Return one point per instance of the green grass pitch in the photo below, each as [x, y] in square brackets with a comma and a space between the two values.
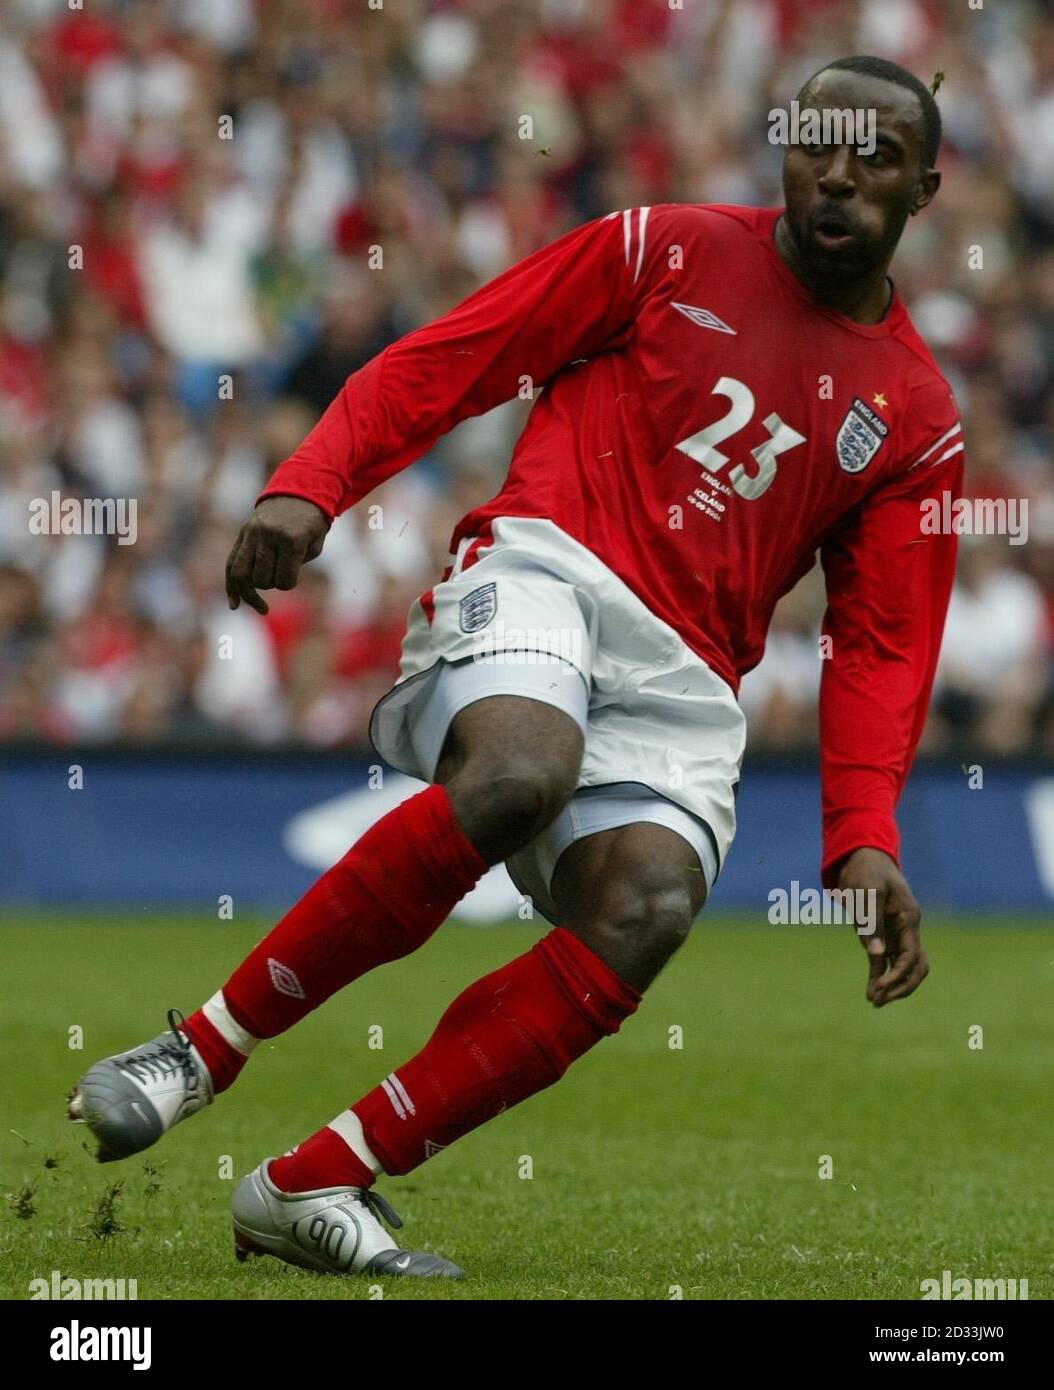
[654, 1168]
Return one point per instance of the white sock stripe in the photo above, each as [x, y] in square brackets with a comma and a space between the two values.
[217, 1013]
[349, 1127]
[404, 1094]
[397, 1105]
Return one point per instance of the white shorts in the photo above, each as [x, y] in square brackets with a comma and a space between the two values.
[540, 616]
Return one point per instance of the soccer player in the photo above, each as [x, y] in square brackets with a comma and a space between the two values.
[727, 391]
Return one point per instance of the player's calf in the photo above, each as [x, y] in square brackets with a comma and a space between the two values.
[505, 1038]
[509, 766]
[511, 763]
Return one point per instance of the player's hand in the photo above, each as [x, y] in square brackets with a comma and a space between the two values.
[282, 534]
[897, 964]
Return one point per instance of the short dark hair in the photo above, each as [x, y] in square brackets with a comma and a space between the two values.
[893, 72]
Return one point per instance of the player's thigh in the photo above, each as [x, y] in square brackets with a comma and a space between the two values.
[510, 764]
[631, 895]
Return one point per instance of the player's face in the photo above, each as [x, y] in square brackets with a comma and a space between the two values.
[846, 209]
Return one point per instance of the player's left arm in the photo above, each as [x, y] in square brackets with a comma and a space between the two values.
[889, 578]
[568, 301]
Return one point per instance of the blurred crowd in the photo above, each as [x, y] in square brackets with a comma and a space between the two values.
[189, 191]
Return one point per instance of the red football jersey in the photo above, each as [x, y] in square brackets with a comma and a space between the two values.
[706, 427]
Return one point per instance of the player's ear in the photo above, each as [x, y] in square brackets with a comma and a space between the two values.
[925, 190]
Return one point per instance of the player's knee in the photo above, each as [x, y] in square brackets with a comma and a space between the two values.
[656, 913]
[506, 807]
[639, 921]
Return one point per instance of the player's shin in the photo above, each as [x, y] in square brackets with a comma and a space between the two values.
[383, 900]
[505, 1038]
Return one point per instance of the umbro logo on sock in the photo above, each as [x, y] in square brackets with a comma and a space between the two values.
[284, 979]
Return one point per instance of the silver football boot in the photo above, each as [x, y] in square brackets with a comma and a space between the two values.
[129, 1100]
[335, 1230]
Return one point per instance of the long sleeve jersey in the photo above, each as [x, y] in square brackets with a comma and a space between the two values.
[706, 427]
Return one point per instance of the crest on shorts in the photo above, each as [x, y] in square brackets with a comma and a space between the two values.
[478, 607]
[861, 436]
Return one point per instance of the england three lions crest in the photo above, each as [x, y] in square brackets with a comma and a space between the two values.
[860, 437]
[478, 608]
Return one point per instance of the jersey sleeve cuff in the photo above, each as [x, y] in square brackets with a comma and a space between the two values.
[854, 830]
[284, 484]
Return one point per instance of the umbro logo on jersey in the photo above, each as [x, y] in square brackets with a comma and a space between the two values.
[703, 318]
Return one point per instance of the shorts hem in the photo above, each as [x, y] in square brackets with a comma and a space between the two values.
[410, 688]
[599, 786]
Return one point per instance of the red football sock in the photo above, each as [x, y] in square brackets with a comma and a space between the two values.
[324, 1160]
[506, 1037]
[384, 899]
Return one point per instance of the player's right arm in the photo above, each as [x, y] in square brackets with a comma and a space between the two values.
[570, 300]
[889, 579]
